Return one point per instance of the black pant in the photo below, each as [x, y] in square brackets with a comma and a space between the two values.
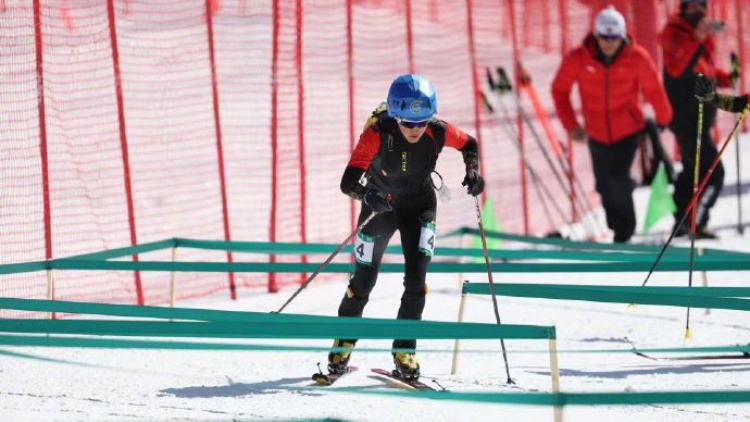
[407, 217]
[683, 187]
[612, 164]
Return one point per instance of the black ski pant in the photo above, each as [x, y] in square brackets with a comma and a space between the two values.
[683, 187]
[408, 215]
[612, 164]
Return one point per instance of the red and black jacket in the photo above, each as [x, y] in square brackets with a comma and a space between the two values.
[395, 166]
[684, 56]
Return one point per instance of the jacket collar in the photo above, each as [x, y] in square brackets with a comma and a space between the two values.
[591, 46]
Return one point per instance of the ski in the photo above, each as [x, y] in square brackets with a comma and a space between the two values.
[740, 356]
[328, 379]
[397, 381]
[634, 349]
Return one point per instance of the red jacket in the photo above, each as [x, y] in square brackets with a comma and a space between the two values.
[609, 94]
[680, 48]
[685, 55]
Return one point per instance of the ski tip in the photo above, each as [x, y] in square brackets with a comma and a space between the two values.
[321, 379]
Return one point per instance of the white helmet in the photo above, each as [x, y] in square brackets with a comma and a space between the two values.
[610, 23]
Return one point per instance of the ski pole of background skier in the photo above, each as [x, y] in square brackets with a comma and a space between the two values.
[535, 178]
[736, 70]
[694, 211]
[541, 188]
[492, 285]
[590, 224]
[554, 144]
[504, 86]
[552, 140]
[694, 200]
[580, 197]
[325, 263]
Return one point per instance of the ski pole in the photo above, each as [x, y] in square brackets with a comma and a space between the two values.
[327, 261]
[694, 211]
[535, 178]
[492, 284]
[583, 204]
[500, 89]
[736, 67]
[695, 198]
[593, 227]
[539, 186]
[552, 140]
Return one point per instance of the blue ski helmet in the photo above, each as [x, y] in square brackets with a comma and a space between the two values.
[412, 98]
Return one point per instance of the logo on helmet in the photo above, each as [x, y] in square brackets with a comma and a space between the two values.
[416, 107]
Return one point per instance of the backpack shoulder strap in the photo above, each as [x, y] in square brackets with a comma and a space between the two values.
[438, 133]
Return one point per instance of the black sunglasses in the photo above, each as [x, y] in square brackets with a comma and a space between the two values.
[608, 37]
[412, 125]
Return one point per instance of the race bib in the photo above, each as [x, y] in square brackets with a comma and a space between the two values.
[363, 248]
[427, 238]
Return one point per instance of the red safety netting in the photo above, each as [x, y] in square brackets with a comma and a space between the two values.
[129, 121]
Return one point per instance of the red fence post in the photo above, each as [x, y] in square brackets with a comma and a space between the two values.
[519, 120]
[350, 80]
[43, 135]
[210, 8]
[738, 14]
[563, 27]
[272, 285]
[301, 133]
[409, 37]
[475, 84]
[124, 143]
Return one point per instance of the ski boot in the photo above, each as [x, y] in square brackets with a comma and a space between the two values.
[407, 366]
[702, 233]
[338, 362]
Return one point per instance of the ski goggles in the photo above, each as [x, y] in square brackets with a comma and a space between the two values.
[609, 37]
[413, 125]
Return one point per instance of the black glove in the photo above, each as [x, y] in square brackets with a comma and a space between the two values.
[377, 201]
[704, 89]
[474, 182]
[734, 75]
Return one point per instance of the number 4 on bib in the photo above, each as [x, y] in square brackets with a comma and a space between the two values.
[427, 238]
[363, 248]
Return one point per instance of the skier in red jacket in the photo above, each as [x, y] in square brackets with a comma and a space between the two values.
[688, 45]
[611, 72]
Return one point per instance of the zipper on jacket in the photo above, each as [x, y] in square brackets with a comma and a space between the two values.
[606, 104]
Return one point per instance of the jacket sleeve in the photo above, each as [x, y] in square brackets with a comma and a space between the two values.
[562, 85]
[468, 145]
[730, 102]
[653, 90]
[363, 154]
[680, 49]
[723, 78]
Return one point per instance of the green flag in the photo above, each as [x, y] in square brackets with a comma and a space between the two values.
[660, 203]
[490, 224]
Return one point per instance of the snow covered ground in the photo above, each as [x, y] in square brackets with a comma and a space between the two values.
[57, 384]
